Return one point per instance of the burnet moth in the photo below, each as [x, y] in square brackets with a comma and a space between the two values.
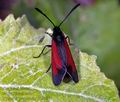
[62, 63]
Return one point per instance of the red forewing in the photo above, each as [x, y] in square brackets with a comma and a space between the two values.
[58, 71]
[71, 68]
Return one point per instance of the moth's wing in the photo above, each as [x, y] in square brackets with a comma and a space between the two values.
[58, 72]
[71, 68]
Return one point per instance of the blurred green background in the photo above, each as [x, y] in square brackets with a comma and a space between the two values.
[94, 27]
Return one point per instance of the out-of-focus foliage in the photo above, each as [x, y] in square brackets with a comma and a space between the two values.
[5, 8]
[95, 28]
[100, 26]
[85, 2]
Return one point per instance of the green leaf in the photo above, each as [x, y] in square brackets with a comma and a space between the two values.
[23, 78]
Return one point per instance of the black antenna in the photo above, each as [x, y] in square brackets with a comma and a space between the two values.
[45, 15]
[69, 13]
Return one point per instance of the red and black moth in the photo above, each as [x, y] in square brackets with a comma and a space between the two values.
[62, 63]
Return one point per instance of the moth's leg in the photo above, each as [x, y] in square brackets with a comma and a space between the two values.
[49, 68]
[67, 37]
[47, 52]
[48, 34]
[42, 51]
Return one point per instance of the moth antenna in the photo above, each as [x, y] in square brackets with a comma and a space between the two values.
[69, 13]
[45, 16]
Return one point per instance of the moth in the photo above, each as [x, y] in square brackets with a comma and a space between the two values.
[62, 63]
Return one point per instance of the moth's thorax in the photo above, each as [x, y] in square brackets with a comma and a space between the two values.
[58, 35]
[57, 31]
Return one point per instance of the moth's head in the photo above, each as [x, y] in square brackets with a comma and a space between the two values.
[57, 30]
